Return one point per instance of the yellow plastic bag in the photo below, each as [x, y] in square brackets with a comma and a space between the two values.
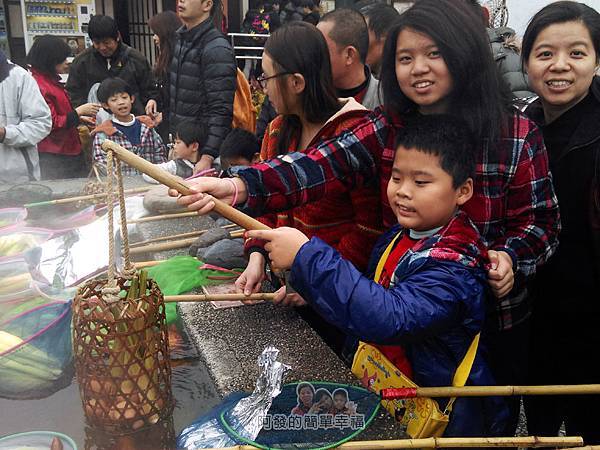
[421, 416]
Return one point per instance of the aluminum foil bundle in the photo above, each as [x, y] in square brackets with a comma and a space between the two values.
[244, 413]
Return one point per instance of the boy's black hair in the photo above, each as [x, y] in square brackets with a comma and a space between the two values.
[349, 29]
[443, 136]
[191, 131]
[112, 86]
[47, 52]
[239, 143]
[340, 391]
[102, 27]
[381, 18]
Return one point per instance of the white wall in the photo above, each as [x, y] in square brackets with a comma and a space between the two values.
[520, 11]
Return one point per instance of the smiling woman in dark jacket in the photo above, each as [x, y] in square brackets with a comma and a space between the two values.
[561, 51]
[60, 152]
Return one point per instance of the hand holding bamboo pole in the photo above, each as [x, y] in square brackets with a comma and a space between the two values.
[173, 182]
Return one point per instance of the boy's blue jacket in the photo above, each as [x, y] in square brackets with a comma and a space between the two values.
[434, 308]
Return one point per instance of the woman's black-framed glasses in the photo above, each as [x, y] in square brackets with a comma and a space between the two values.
[262, 80]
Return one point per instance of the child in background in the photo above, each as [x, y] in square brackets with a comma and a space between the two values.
[190, 137]
[341, 405]
[136, 134]
[239, 148]
[427, 303]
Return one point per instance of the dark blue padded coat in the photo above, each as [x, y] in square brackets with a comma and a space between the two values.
[434, 308]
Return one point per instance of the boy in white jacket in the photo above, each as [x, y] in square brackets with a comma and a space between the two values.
[24, 121]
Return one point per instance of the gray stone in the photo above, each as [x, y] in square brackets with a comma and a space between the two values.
[157, 200]
[222, 221]
[210, 237]
[227, 253]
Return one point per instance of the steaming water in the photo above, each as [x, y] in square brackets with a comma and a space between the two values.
[193, 390]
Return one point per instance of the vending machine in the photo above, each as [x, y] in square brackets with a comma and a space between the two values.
[68, 19]
[3, 31]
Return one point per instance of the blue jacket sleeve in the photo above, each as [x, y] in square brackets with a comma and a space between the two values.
[427, 302]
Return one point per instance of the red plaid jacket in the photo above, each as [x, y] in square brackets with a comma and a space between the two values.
[514, 205]
[151, 146]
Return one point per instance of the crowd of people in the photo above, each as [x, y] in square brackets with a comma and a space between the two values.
[433, 184]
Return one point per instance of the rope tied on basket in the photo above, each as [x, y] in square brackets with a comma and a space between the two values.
[111, 290]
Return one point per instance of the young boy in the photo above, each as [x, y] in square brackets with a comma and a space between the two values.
[430, 271]
[136, 134]
[239, 148]
[190, 137]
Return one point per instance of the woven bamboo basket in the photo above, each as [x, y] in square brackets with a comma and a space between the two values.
[120, 342]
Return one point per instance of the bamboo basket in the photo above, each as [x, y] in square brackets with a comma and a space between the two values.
[120, 342]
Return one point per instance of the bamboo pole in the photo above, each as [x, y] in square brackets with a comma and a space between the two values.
[143, 264]
[531, 441]
[61, 201]
[179, 236]
[218, 297]
[482, 391]
[173, 182]
[162, 246]
[163, 217]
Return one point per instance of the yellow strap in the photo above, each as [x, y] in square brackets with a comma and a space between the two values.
[384, 258]
[464, 369]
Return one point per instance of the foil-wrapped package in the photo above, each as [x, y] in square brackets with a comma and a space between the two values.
[245, 415]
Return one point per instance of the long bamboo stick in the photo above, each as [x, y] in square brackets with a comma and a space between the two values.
[173, 182]
[163, 217]
[178, 236]
[479, 391]
[531, 441]
[61, 201]
[143, 264]
[218, 297]
[162, 246]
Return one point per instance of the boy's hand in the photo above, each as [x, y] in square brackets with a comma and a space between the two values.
[501, 277]
[251, 279]
[282, 298]
[204, 163]
[206, 188]
[282, 244]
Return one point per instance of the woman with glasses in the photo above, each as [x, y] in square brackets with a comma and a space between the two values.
[297, 78]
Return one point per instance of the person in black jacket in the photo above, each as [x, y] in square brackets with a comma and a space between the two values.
[561, 52]
[202, 80]
[109, 57]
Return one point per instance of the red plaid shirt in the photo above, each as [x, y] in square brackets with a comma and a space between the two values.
[151, 146]
[514, 205]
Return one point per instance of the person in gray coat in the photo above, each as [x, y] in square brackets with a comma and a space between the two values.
[24, 121]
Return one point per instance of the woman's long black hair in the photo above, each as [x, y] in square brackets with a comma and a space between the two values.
[479, 95]
[164, 25]
[299, 47]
